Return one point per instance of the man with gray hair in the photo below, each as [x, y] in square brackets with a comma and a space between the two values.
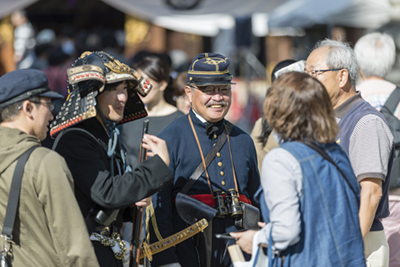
[376, 54]
[364, 135]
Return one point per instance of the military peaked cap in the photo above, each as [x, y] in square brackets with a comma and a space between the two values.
[209, 69]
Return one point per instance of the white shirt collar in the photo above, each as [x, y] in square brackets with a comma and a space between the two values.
[199, 117]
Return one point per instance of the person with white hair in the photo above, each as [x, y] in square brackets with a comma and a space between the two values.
[376, 53]
[364, 135]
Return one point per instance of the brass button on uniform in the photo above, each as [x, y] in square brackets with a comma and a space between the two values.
[223, 182]
[215, 136]
[220, 164]
[222, 173]
[214, 144]
[218, 154]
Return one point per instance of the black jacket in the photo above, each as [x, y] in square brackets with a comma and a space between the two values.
[90, 167]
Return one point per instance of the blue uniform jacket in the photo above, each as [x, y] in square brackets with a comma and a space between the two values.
[184, 159]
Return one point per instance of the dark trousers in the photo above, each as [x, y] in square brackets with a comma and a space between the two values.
[105, 255]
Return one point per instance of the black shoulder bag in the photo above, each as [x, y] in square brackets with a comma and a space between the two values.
[12, 205]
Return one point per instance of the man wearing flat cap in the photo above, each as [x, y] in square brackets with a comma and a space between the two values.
[230, 166]
[49, 229]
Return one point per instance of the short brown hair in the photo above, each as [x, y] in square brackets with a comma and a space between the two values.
[8, 113]
[298, 107]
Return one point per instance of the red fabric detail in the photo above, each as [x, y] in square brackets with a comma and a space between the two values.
[208, 199]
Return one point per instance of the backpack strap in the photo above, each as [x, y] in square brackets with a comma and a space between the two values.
[393, 100]
[15, 190]
[208, 159]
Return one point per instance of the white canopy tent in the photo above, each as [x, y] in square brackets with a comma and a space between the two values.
[353, 13]
[9, 6]
[206, 19]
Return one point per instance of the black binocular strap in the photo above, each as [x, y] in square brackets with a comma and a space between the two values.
[13, 197]
[208, 159]
[326, 156]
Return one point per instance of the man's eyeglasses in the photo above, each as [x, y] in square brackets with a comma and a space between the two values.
[212, 89]
[50, 105]
[315, 73]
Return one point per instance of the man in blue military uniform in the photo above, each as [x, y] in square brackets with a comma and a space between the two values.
[189, 140]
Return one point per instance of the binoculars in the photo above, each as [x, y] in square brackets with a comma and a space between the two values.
[227, 204]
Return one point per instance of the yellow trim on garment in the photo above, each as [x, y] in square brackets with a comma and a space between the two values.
[151, 213]
[208, 72]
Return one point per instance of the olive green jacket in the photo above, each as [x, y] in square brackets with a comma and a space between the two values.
[49, 228]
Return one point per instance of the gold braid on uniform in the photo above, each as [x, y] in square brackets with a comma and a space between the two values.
[110, 242]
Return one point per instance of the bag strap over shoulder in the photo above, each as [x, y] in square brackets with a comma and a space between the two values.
[102, 144]
[15, 190]
[328, 158]
[393, 100]
[208, 159]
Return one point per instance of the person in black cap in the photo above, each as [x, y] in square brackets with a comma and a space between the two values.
[46, 232]
[234, 168]
[104, 93]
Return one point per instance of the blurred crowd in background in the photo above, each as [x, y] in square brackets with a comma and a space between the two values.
[49, 42]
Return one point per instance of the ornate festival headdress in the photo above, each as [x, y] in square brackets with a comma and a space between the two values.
[87, 78]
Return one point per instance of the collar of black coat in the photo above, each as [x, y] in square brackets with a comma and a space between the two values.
[94, 127]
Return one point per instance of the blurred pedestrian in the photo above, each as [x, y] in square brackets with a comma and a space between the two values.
[180, 98]
[160, 113]
[24, 39]
[261, 133]
[376, 54]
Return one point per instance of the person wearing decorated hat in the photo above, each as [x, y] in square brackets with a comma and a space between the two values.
[103, 92]
[46, 231]
[233, 166]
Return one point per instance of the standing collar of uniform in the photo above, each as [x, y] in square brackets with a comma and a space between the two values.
[200, 117]
[347, 105]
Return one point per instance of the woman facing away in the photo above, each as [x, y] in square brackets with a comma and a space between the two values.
[312, 207]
